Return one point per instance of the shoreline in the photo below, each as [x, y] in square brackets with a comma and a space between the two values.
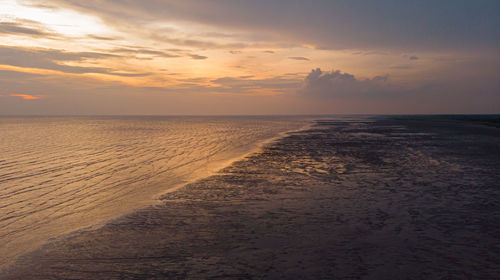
[157, 198]
[221, 164]
[346, 200]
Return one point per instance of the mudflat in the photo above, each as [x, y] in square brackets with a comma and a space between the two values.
[378, 198]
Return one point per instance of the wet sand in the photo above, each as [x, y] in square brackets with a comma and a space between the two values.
[346, 199]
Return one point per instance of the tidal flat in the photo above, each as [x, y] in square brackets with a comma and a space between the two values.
[351, 198]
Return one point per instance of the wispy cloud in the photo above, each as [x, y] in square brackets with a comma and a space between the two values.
[249, 84]
[26, 96]
[298, 58]
[25, 28]
[144, 51]
[101, 38]
[39, 5]
[52, 59]
[196, 42]
[195, 56]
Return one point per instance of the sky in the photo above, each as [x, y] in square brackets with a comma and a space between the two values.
[235, 57]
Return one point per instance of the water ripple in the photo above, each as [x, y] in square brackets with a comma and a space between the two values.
[58, 175]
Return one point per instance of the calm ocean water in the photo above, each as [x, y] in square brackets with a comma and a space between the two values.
[62, 174]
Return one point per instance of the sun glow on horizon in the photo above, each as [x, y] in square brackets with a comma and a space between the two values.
[62, 21]
[176, 57]
[204, 49]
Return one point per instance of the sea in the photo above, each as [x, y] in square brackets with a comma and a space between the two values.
[64, 174]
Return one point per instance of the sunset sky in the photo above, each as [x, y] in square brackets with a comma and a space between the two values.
[169, 57]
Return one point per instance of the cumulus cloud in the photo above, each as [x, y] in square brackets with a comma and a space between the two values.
[340, 84]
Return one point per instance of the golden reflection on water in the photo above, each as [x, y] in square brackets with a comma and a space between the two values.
[58, 175]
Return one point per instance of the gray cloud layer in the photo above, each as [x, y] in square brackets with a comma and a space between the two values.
[328, 24]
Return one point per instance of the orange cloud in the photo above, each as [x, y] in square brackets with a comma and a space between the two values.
[131, 81]
[26, 96]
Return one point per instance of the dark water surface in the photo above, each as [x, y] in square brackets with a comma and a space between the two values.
[375, 198]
